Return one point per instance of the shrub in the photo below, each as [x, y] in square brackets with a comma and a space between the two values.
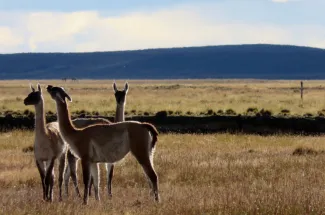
[146, 113]
[96, 113]
[82, 112]
[265, 112]
[220, 112]
[304, 151]
[308, 115]
[210, 112]
[8, 115]
[189, 113]
[28, 149]
[31, 114]
[285, 111]
[170, 112]
[252, 110]
[178, 112]
[230, 112]
[161, 113]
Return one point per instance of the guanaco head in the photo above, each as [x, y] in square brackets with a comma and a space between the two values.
[34, 97]
[120, 96]
[58, 94]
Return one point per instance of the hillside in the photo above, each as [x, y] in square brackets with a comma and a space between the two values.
[231, 61]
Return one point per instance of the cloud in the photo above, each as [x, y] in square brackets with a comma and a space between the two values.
[280, 1]
[177, 27]
[283, 1]
[49, 27]
[8, 39]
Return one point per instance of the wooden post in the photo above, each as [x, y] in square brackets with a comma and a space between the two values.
[302, 90]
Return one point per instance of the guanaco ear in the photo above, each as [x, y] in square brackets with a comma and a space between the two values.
[39, 87]
[31, 87]
[126, 87]
[114, 87]
[68, 97]
[60, 97]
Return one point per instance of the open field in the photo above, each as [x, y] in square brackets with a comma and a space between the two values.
[180, 97]
[199, 174]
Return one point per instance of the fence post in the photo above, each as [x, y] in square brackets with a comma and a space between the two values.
[302, 90]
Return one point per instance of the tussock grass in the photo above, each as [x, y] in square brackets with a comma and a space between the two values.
[179, 96]
[199, 174]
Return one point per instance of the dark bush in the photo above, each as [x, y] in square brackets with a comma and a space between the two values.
[31, 115]
[95, 113]
[265, 112]
[220, 112]
[252, 110]
[161, 113]
[230, 112]
[210, 112]
[28, 149]
[308, 115]
[285, 111]
[8, 115]
[178, 112]
[26, 112]
[304, 151]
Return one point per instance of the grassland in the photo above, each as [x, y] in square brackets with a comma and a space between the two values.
[199, 174]
[180, 97]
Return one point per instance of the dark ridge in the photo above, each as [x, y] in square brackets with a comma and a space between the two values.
[259, 61]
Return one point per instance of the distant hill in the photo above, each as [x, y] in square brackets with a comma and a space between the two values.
[230, 61]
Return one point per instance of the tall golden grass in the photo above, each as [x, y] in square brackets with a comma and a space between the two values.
[182, 96]
[199, 174]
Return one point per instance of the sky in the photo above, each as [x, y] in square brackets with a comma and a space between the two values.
[107, 25]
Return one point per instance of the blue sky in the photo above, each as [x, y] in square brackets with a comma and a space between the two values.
[105, 25]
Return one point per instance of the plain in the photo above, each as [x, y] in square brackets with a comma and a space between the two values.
[198, 174]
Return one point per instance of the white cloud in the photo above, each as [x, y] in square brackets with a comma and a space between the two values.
[8, 39]
[181, 26]
[283, 1]
[49, 27]
[280, 1]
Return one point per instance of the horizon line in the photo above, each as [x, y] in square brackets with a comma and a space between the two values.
[164, 48]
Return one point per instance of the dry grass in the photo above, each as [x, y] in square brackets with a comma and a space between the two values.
[182, 96]
[199, 174]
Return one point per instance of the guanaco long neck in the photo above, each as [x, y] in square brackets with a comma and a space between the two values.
[40, 118]
[64, 118]
[119, 114]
